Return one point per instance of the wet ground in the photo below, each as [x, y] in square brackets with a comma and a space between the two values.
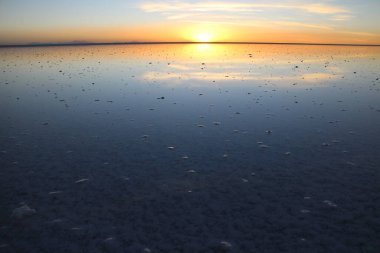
[190, 148]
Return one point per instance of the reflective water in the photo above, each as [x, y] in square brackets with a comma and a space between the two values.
[190, 148]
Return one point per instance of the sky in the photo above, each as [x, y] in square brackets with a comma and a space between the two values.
[293, 21]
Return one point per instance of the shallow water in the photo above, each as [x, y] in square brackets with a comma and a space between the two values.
[190, 148]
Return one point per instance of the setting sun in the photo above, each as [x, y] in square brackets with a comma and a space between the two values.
[204, 37]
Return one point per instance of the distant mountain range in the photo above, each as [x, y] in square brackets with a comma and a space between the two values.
[89, 43]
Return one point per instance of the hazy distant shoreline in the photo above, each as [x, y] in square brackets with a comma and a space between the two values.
[162, 43]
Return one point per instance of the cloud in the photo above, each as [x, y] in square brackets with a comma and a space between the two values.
[366, 34]
[325, 16]
[248, 14]
[201, 16]
[170, 7]
[323, 8]
[342, 17]
[302, 24]
[233, 21]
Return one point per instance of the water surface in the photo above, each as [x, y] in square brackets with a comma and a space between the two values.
[190, 148]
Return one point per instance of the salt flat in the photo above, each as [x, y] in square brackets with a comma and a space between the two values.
[190, 148]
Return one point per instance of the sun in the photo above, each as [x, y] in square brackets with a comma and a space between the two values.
[204, 33]
[204, 37]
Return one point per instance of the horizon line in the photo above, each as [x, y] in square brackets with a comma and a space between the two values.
[57, 44]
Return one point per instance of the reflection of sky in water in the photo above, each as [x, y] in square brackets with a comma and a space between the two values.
[223, 66]
[254, 130]
[223, 63]
[303, 87]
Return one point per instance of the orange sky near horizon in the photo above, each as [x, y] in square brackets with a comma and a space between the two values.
[174, 33]
[298, 21]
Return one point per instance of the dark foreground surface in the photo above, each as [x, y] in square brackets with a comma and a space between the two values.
[190, 148]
